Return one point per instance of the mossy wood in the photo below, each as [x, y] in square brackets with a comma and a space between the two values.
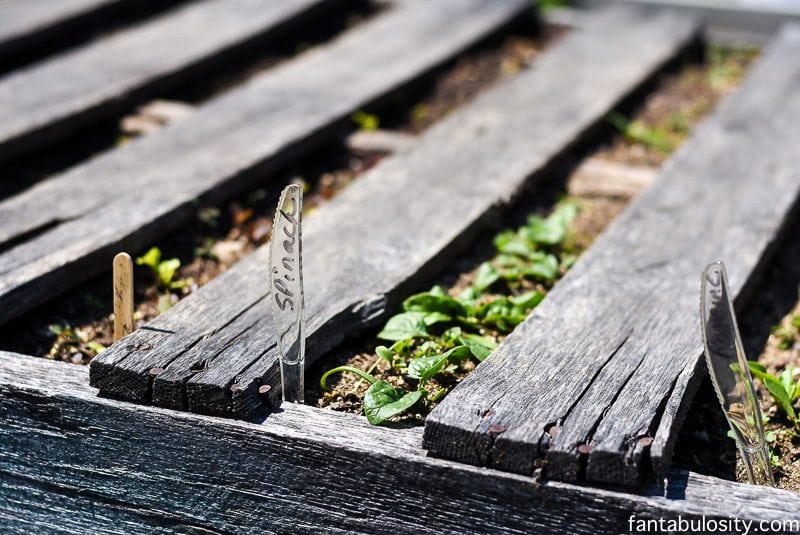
[152, 184]
[55, 97]
[391, 231]
[73, 462]
[596, 382]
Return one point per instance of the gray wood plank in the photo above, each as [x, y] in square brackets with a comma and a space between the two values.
[150, 184]
[52, 99]
[473, 162]
[73, 462]
[24, 24]
[618, 338]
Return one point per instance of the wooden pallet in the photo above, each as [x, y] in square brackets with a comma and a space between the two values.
[73, 462]
[25, 24]
[54, 98]
[473, 162]
[152, 184]
[619, 331]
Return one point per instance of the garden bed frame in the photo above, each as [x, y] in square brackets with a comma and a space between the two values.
[75, 459]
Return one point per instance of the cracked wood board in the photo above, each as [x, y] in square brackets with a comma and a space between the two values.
[604, 364]
[126, 198]
[123, 468]
[354, 277]
[54, 98]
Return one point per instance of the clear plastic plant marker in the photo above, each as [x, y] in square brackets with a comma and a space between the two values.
[727, 365]
[286, 291]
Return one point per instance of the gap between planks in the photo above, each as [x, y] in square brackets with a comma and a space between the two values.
[213, 351]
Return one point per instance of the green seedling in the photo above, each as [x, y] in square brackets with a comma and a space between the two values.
[67, 336]
[164, 270]
[436, 332]
[637, 132]
[366, 121]
[787, 335]
[784, 389]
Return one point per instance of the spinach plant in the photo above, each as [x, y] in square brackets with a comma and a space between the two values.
[164, 272]
[438, 331]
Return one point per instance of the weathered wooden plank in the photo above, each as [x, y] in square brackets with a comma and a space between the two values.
[151, 184]
[582, 385]
[24, 24]
[73, 462]
[51, 99]
[473, 163]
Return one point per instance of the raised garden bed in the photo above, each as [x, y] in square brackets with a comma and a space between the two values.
[567, 425]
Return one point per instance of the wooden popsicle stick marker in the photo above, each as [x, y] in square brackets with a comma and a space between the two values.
[123, 295]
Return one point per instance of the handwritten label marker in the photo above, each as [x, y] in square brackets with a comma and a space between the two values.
[123, 295]
[727, 366]
[286, 288]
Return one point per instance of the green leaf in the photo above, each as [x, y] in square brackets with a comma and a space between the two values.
[412, 324]
[776, 390]
[480, 346]
[468, 296]
[423, 368]
[543, 267]
[528, 300]
[485, 277]
[565, 212]
[383, 401]
[366, 121]
[151, 259]
[502, 314]
[385, 353]
[433, 302]
[166, 270]
[544, 231]
[510, 243]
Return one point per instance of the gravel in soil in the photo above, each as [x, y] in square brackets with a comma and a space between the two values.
[680, 100]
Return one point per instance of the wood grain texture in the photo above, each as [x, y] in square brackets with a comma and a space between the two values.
[24, 24]
[52, 99]
[365, 250]
[152, 184]
[123, 295]
[72, 462]
[581, 387]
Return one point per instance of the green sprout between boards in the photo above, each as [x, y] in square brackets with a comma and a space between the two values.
[783, 388]
[164, 272]
[436, 332]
